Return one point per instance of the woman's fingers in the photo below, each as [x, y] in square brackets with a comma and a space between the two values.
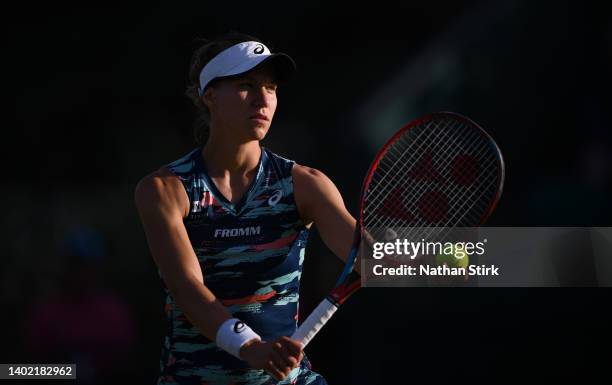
[294, 347]
[274, 370]
[286, 354]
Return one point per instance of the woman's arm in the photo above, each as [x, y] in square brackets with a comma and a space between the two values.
[162, 204]
[319, 201]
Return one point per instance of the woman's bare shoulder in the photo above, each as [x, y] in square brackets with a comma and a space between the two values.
[163, 187]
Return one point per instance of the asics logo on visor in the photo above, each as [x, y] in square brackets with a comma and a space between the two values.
[259, 49]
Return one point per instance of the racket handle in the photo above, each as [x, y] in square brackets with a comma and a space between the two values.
[314, 322]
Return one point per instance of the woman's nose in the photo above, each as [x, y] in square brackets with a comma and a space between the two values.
[262, 97]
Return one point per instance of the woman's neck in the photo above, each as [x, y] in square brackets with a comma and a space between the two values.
[224, 157]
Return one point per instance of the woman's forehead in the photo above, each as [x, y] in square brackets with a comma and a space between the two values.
[264, 72]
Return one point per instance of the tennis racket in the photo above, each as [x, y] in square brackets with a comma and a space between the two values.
[442, 170]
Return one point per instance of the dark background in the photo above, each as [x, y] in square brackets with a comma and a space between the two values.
[95, 99]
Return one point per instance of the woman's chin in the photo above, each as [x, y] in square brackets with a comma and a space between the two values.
[257, 133]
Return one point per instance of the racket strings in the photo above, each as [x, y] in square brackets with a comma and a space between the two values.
[457, 219]
[470, 216]
[403, 146]
[439, 163]
[442, 204]
[451, 219]
[404, 177]
[426, 177]
[429, 202]
[447, 171]
[394, 220]
[434, 207]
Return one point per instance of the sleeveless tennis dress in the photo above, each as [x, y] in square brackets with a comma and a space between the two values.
[251, 254]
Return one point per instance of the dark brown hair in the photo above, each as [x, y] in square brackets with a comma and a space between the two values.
[202, 55]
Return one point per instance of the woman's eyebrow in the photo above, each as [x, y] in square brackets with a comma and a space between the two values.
[252, 79]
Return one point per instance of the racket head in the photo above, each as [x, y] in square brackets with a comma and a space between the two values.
[433, 159]
[441, 170]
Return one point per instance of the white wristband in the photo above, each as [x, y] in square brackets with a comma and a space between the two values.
[232, 334]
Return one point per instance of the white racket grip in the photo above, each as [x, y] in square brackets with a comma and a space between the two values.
[315, 321]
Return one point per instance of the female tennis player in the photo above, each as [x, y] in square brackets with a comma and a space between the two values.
[227, 226]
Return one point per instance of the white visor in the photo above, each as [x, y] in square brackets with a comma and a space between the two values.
[241, 58]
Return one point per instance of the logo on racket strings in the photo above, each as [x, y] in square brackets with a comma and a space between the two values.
[437, 189]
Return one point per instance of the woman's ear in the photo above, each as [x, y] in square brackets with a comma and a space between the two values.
[208, 98]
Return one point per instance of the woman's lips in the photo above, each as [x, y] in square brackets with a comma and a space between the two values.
[259, 117]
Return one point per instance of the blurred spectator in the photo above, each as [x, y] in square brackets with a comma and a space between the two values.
[81, 322]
